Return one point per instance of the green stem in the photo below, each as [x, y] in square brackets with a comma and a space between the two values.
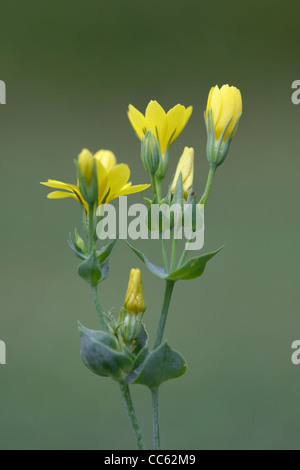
[183, 257]
[158, 340]
[156, 420]
[99, 308]
[158, 189]
[132, 415]
[154, 187]
[211, 174]
[164, 313]
[173, 254]
[91, 229]
[164, 252]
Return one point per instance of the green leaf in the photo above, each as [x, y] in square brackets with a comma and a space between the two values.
[161, 365]
[193, 268]
[156, 270]
[100, 353]
[104, 253]
[90, 270]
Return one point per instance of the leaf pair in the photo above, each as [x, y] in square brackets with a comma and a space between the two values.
[95, 267]
[192, 269]
[102, 354]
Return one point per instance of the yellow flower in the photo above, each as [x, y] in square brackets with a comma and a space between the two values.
[167, 126]
[186, 168]
[134, 299]
[112, 179]
[226, 107]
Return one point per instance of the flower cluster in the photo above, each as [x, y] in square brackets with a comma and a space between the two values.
[121, 349]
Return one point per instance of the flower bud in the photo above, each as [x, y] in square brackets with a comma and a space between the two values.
[134, 299]
[186, 168]
[86, 165]
[87, 176]
[150, 153]
[223, 112]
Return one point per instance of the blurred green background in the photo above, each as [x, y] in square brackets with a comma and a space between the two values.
[71, 69]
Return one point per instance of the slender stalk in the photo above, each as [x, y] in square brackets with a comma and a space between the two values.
[99, 308]
[154, 186]
[164, 252]
[173, 253]
[91, 229]
[156, 420]
[158, 189]
[211, 174]
[164, 313]
[132, 415]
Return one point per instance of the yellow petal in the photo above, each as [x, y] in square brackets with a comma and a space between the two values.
[134, 299]
[216, 103]
[61, 195]
[208, 107]
[185, 167]
[128, 189]
[227, 111]
[137, 120]
[102, 180]
[117, 178]
[238, 108]
[60, 185]
[177, 120]
[188, 114]
[157, 121]
[107, 158]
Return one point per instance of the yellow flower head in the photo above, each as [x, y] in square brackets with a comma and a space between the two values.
[134, 299]
[112, 178]
[167, 126]
[186, 168]
[226, 107]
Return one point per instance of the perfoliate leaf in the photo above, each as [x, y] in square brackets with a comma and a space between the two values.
[193, 268]
[90, 270]
[101, 354]
[161, 365]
